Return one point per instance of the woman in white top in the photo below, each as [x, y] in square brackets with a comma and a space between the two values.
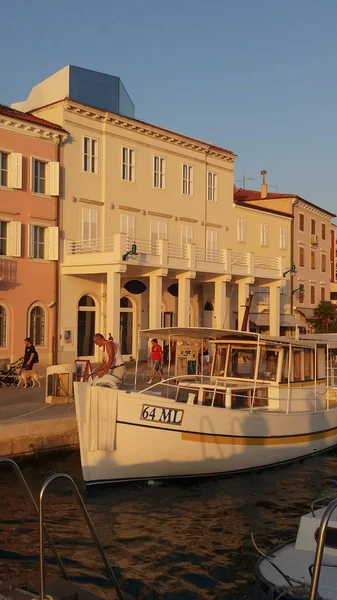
[112, 363]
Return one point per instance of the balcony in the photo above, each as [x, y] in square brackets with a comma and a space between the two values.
[165, 254]
[8, 273]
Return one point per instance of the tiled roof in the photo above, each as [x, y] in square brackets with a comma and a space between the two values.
[243, 195]
[17, 114]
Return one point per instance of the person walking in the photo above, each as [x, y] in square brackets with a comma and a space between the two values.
[30, 356]
[156, 360]
[112, 363]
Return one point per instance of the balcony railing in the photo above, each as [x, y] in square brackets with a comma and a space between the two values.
[143, 246]
[90, 246]
[239, 259]
[209, 255]
[177, 250]
[263, 262]
[8, 270]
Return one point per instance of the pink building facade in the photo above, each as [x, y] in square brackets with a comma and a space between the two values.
[30, 150]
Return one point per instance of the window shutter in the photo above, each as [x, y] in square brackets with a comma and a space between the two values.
[186, 234]
[85, 224]
[53, 169]
[30, 240]
[14, 238]
[15, 170]
[211, 239]
[94, 225]
[52, 243]
[163, 230]
[154, 230]
[266, 235]
[131, 228]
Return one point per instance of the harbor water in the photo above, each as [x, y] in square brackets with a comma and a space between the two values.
[171, 540]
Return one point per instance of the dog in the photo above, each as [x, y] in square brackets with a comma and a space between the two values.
[25, 375]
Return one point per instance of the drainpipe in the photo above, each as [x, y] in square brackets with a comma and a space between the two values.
[291, 284]
[57, 271]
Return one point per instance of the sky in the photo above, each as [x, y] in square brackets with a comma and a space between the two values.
[258, 77]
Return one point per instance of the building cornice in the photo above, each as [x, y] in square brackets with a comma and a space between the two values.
[315, 210]
[150, 131]
[31, 129]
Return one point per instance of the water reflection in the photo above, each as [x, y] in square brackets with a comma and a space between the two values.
[174, 541]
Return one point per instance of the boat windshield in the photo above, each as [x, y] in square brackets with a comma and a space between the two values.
[242, 362]
[268, 364]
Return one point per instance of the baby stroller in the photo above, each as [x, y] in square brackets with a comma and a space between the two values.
[10, 376]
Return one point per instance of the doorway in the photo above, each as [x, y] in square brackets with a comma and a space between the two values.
[86, 323]
[126, 325]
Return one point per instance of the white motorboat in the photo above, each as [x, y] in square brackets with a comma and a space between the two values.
[267, 401]
[307, 566]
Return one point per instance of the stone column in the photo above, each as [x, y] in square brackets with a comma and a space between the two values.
[274, 308]
[113, 294]
[184, 295]
[221, 304]
[155, 298]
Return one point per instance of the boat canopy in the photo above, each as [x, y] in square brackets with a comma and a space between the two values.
[196, 333]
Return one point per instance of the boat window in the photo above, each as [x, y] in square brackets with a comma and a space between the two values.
[186, 394]
[297, 365]
[285, 366]
[309, 364]
[268, 364]
[219, 400]
[242, 363]
[220, 361]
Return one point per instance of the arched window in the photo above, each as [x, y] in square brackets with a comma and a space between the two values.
[86, 323]
[125, 302]
[37, 325]
[4, 326]
[208, 306]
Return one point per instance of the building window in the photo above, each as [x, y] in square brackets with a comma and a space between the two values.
[38, 241]
[37, 325]
[323, 263]
[264, 234]
[312, 294]
[211, 244]
[158, 231]
[242, 230]
[283, 238]
[323, 231]
[301, 296]
[301, 224]
[86, 326]
[187, 180]
[333, 296]
[90, 218]
[212, 186]
[186, 235]
[3, 169]
[313, 259]
[39, 176]
[322, 294]
[127, 225]
[3, 238]
[301, 256]
[90, 155]
[128, 164]
[4, 326]
[313, 226]
[159, 172]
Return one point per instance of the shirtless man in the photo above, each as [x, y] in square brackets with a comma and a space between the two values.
[112, 363]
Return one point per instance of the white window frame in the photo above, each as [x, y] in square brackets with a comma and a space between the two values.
[187, 179]
[128, 164]
[92, 240]
[90, 158]
[50, 242]
[7, 325]
[212, 186]
[4, 170]
[283, 238]
[127, 225]
[159, 171]
[45, 325]
[264, 235]
[158, 231]
[187, 234]
[212, 240]
[39, 178]
[241, 230]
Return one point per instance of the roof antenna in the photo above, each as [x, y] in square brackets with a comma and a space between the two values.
[244, 179]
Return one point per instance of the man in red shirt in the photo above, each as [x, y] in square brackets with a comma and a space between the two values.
[156, 358]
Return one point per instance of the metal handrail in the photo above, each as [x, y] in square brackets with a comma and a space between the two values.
[24, 483]
[98, 544]
[320, 548]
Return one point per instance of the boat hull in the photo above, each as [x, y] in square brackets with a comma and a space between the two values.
[132, 436]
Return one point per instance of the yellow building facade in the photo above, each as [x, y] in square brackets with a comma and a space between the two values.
[151, 235]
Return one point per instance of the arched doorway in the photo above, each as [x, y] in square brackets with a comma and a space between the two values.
[208, 314]
[86, 323]
[126, 325]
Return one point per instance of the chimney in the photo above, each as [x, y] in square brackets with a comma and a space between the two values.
[264, 185]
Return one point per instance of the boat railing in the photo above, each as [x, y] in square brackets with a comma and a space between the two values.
[320, 548]
[241, 388]
[92, 530]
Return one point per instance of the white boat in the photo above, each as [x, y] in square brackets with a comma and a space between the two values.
[266, 402]
[308, 565]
